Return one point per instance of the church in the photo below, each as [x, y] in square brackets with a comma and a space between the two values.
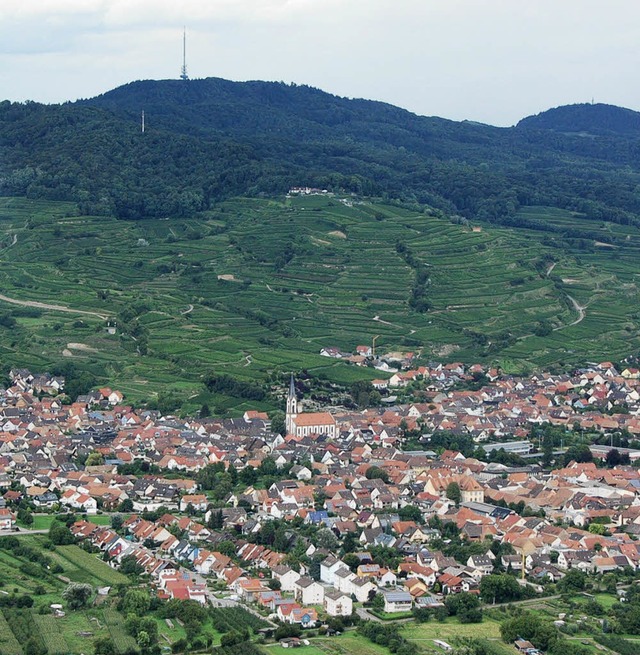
[307, 423]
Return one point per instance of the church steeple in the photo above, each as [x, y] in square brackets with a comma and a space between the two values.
[292, 406]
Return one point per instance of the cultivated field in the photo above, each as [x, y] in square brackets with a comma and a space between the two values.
[257, 287]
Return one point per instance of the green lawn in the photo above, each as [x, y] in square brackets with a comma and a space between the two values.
[606, 600]
[42, 521]
[348, 643]
[451, 628]
[276, 649]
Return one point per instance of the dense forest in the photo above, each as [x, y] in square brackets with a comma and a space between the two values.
[211, 139]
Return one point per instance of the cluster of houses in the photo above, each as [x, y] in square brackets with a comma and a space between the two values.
[324, 459]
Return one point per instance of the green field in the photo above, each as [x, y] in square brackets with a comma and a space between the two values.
[450, 629]
[90, 567]
[257, 287]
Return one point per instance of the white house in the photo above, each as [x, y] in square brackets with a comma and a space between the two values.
[287, 577]
[397, 601]
[199, 502]
[7, 519]
[337, 604]
[328, 568]
[308, 592]
[77, 500]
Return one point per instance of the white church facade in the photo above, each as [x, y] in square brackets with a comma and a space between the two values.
[306, 424]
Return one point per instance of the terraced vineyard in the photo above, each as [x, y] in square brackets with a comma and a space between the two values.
[260, 286]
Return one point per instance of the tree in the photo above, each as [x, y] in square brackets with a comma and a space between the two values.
[547, 449]
[499, 588]
[34, 646]
[60, 534]
[143, 640]
[136, 602]
[597, 528]
[410, 513]
[116, 521]
[94, 459]
[465, 606]
[278, 424]
[126, 506]
[574, 580]
[216, 519]
[613, 458]
[77, 594]
[25, 516]
[454, 493]
[104, 646]
[129, 566]
[352, 561]
[541, 633]
[326, 539]
[376, 473]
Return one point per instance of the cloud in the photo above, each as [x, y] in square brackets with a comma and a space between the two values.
[488, 60]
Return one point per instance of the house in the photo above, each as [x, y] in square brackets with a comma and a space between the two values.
[337, 604]
[523, 646]
[77, 500]
[198, 502]
[361, 588]
[481, 563]
[290, 612]
[308, 592]
[328, 568]
[7, 519]
[397, 601]
[286, 576]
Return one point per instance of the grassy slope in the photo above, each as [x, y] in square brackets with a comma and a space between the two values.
[345, 272]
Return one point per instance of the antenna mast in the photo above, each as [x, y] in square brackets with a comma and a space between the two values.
[183, 74]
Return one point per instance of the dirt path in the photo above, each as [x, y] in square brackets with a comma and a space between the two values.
[55, 308]
[379, 320]
[551, 268]
[581, 313]
[581, 316]
[188, 310]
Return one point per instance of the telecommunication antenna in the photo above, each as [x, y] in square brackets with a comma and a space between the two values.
[142, 125]
[183, 74]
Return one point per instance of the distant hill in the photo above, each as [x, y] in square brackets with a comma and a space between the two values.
[207, 140]
[586, 118]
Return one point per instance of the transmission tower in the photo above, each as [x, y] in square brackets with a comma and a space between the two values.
[183, 74]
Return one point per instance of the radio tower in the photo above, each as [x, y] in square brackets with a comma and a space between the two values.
[183, 74]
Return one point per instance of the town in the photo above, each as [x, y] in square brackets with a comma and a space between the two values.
[490, 493]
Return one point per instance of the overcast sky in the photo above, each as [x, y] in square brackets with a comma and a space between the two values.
[494, 61]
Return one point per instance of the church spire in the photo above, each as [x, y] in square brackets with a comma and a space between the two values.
[292, 406]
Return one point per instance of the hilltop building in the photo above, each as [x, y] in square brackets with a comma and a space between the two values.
[308, 423]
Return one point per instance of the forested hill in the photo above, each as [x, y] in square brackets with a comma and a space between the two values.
[212, 139]
[587, 119]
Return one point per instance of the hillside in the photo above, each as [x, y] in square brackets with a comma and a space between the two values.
[460, 241]
[207, 140]
[256, 288]
[596, 119]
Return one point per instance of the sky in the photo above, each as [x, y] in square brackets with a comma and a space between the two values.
[493, 61]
